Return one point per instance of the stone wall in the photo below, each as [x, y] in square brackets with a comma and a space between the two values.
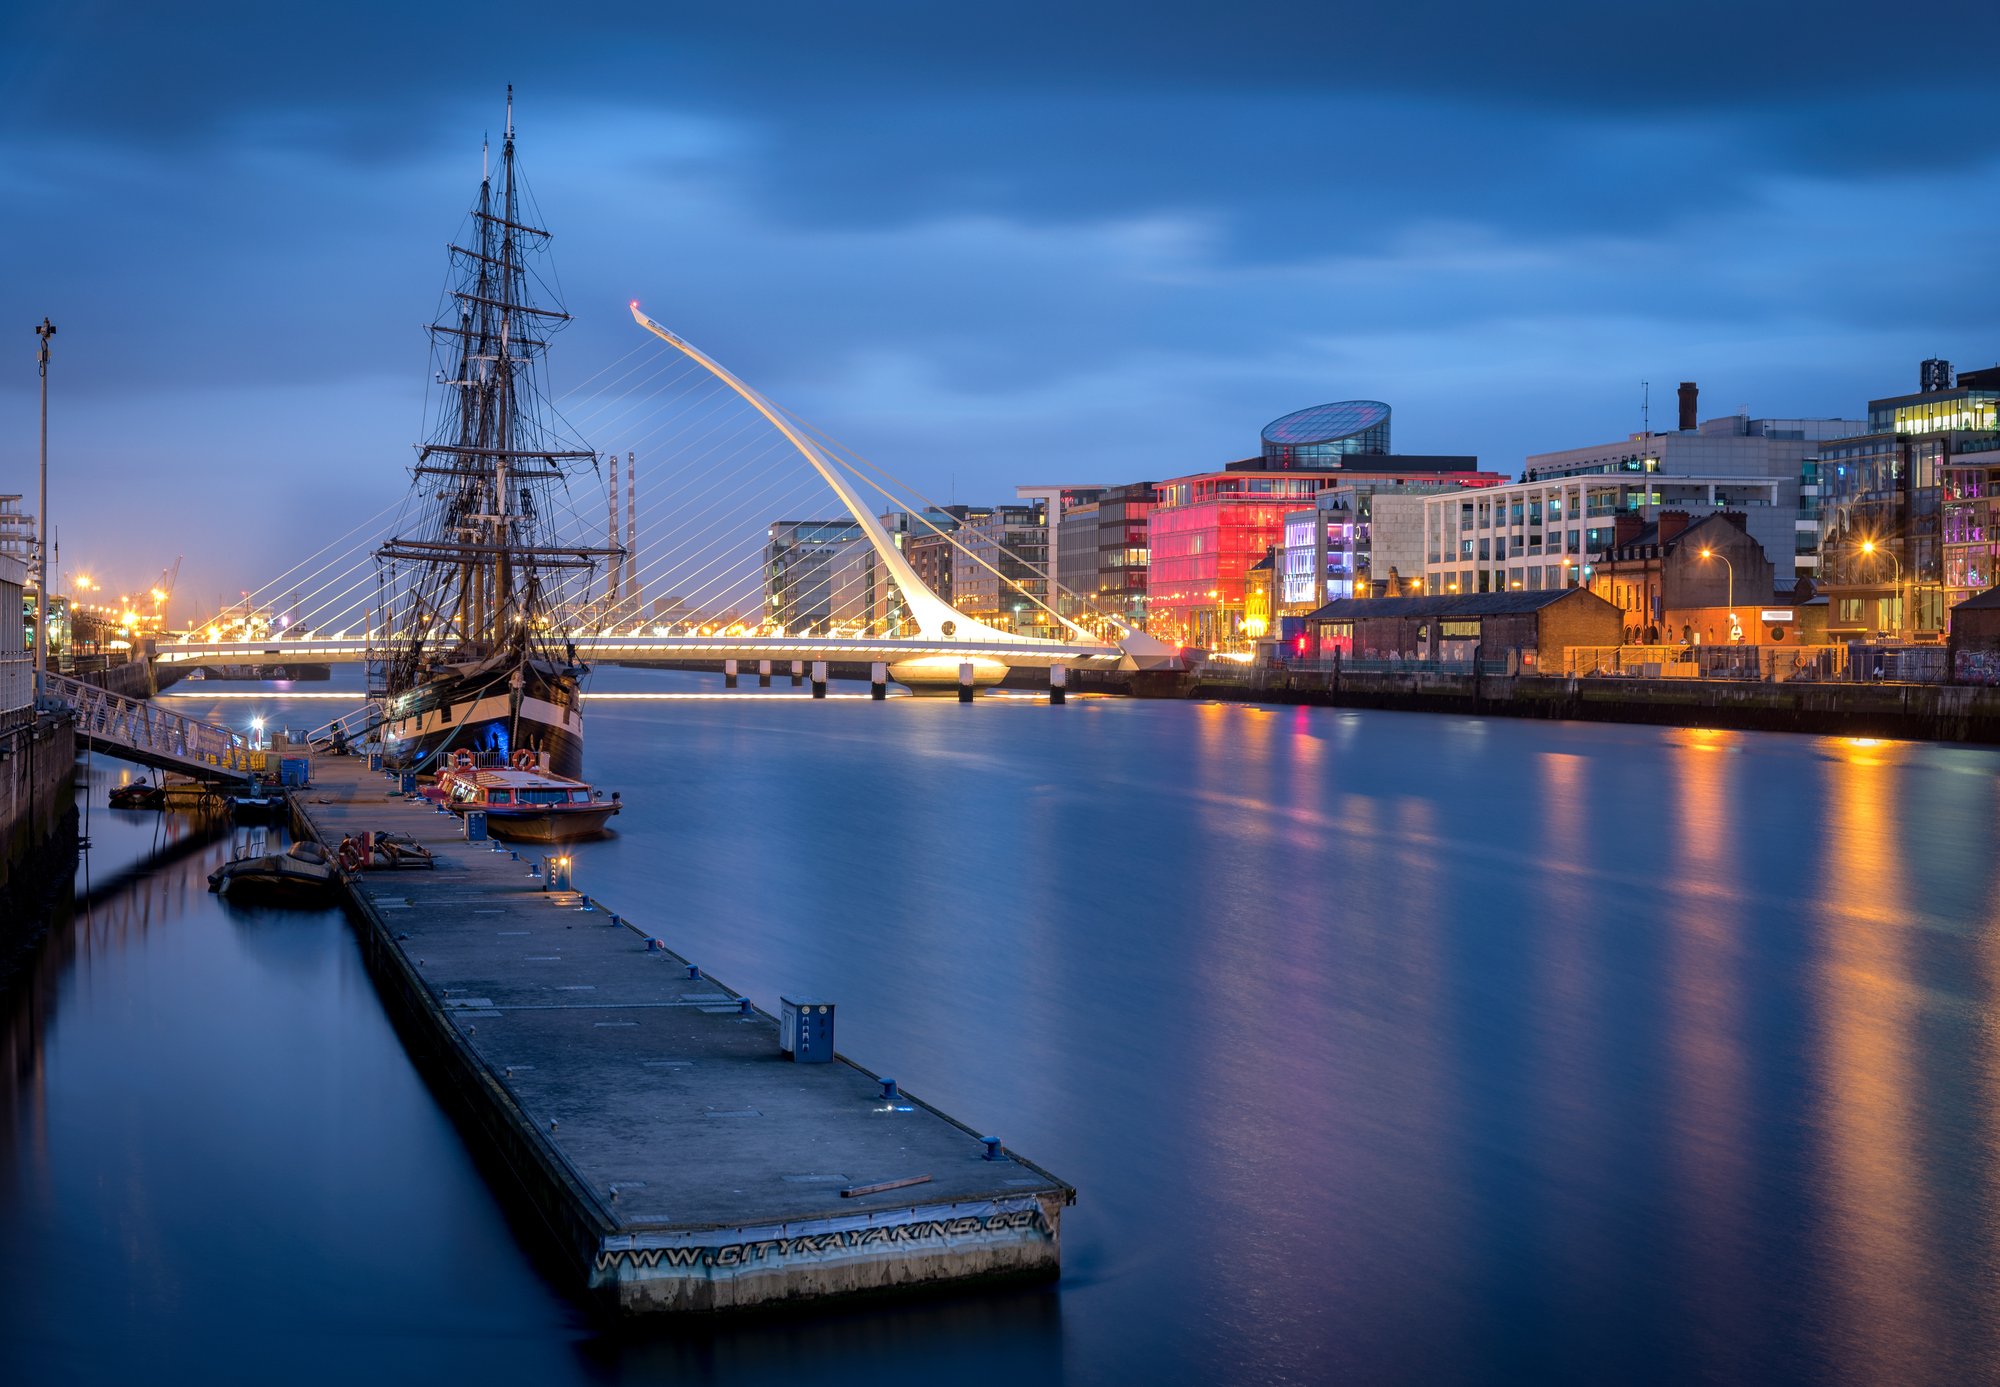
[37, 829]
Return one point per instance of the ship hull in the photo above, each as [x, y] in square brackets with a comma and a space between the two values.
[489, 719]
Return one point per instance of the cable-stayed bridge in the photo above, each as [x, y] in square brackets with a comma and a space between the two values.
[728, 471]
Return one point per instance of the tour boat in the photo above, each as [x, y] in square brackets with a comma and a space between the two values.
[523, 802]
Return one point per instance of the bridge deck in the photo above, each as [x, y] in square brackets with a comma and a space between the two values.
[684, 1160]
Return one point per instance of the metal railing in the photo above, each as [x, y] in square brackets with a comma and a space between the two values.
[354, 725]
[113, 720]
[1769, 664]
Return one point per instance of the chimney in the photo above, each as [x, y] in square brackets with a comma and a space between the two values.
[1625, 527]
[1672, 522]
[1688, 393]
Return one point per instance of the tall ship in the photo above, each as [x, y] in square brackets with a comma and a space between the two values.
[477, 587]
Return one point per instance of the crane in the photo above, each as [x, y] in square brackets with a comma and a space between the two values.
[164, 590]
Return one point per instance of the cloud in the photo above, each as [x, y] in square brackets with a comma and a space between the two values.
[1102, 241]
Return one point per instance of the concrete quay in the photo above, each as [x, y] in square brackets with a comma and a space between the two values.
[646, 1112]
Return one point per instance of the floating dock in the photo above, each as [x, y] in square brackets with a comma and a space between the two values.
[647, 1112]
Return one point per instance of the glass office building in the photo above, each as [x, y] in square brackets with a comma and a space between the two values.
[1317, 439]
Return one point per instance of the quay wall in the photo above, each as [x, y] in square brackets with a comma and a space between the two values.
[1917, 712]
[37, 829]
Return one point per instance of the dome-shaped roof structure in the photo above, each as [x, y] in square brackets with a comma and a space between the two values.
[1327, 423]
[1319, 437]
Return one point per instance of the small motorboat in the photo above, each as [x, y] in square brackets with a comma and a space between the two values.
[260, 804]
[524, 803]
[303, 874]
[140, 794]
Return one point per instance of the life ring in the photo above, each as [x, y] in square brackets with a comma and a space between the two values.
[462, 759]
[526, 760]
[349, 855]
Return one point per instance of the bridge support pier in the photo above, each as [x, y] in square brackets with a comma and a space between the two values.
[819, 678]
[1058, 686]
[798, 672]
[965, 683]
[763, 674]
[878, 681]
[729, 674]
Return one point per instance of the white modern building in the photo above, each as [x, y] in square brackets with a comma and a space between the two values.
[1544, 530]
[1361, 540]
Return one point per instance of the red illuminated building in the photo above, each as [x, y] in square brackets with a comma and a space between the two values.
[1207, 531]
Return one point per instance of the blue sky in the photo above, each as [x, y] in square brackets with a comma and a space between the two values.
[980, 244]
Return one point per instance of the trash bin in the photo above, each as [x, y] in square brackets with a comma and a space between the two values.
[294, 771]
[406, 783]
[805, 1029]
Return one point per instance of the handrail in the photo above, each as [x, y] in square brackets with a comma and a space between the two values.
[144, 726]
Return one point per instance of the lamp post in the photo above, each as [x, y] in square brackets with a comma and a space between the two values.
[1870, 548]
[45, 332]
[1711, 554]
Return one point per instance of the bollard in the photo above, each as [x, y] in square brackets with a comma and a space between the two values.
[889, 1092]
[965, 682]
[587, 905]
[694, 970]
[743, 1007]
[729, 674]
[763, 674]
[819, 678]
[1058, 686]
[994, 1150]
[878, 681]
[654, 946]
[798, 673]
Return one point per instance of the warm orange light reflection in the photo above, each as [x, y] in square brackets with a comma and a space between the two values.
[1868, 1080]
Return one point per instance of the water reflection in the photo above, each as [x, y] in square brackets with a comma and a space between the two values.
[1381, 1047]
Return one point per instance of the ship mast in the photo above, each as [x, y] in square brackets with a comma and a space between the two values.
[483, 569]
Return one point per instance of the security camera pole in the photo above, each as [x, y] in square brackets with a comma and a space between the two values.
[45, 332]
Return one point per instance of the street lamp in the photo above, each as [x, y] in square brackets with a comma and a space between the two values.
[45, 332]
[1870, 548]
[1711, 554]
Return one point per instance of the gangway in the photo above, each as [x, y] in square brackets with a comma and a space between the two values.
[133, 729]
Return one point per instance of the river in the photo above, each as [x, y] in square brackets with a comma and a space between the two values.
[1380, 1047]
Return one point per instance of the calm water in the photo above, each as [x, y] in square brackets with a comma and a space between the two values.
[1382, 1048]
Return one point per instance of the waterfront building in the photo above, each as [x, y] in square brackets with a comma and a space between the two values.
[1204, 533]
[17, 660]
[1675, 563]
[1975, 639]
[1103, 557]
[1525, 631]
[17, 532]
[799, 563]
[1566, 503]
[1547, 529]
[1000, 571]
[1207, 529]
[1057, 502]
[1909, 507]
[932, 549]
[1323, 437]
[1364, 537]
[1073, 544]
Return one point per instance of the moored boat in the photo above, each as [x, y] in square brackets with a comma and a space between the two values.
[304, 873]
[525, 803]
